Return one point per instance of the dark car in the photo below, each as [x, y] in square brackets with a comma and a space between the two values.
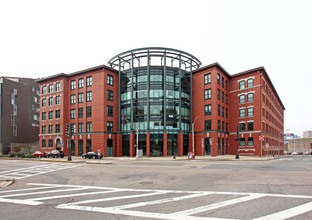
[55, 154]
[92, 155]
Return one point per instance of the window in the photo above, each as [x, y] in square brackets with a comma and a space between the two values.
[208, 109]
[242, 127]
[226, 84]
[219, 125]
[218, 78]
[250, 97]
[109, 126]
[50, 143]
[80, 97]
[57, 128]
[218, 94]
[227, 127]
[222, 82]
[242, 113]
[110, 95]
[226, 99]
[57, 113]
[207, 78]
[50, 114]
[89, 127]
[110, 80]
[219, 110]
[250, 112]
[80, 112]
[249, 83]
[89, 96]
[250, 141]
[242, 99]
[43, 129]
[222, 96]
[226, 113]
[250, 126]
[207, 94]
[50, 129]
[50, 101]
[222, 111]
[242, 142]
[44, 90]
[89, 111]
[50, 88]
[80, 127]
[89, 145]
[80, 83]
[57, 100]
[74, 127]
[207, 125]
[57, 86]
[44, 103]
[72, 113]
[89, 81]
[44, 144]
[222, 125]
[44, 116]
[72, 84]
[110, 111]
[73, 99]
[242, 84]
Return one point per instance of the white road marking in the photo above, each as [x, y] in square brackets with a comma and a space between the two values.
[41, 192]
[36, 170]
[137, 213]
[217, 205]
[298, 210]
[174, 196]
[28, 189]
[72, 195]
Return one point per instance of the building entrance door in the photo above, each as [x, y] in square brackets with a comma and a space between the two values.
[58, 144]
[80, 147]
[109, 147]
[207, 146]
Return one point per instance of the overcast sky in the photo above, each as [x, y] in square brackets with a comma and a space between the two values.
[41, 38]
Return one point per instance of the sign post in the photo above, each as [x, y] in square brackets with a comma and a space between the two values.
[261, 138]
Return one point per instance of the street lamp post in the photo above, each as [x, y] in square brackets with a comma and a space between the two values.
[193, 132]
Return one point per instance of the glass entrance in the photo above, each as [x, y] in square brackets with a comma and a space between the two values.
[73, 147]
[58, 144]
[207, 146]
[80, 147]
[172, 147]
[109, 147]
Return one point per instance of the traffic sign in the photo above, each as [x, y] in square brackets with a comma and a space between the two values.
[261, 138]
[210, 142]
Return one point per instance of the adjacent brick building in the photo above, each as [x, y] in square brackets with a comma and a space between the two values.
[19, 112]
[160, 93]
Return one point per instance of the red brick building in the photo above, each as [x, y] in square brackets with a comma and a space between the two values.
[160, 102]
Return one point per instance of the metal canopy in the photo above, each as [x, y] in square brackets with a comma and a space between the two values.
[127, 57]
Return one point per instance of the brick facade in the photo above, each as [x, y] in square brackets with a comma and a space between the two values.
[219, 101]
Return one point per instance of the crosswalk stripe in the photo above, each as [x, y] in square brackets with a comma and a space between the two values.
[217, 205]
[73, 195]
[288, 213]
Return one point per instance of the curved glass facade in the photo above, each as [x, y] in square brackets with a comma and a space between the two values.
[155, 98]
[155, 107]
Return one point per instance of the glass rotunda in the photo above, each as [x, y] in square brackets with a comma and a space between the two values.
[155, 98]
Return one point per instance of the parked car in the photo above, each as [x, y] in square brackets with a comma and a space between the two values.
[92, 155]
[40, 154]
[55, 154]
[294, 153]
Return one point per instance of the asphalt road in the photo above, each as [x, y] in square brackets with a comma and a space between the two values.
[159, 189]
